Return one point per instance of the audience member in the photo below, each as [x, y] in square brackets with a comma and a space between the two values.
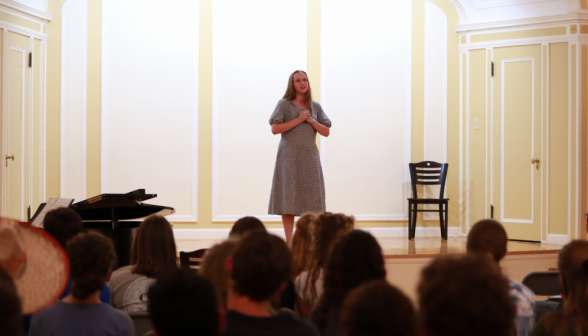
[10, 316]
[64, 224]
[154, 253]
[377, 309]
[91, 258]
[244, 225]
[213, 268]
[301, 244]
[36, 263]
[328, 229]
[259, 269]
[488, 237]
[465, 296]
[356, 259]
[572, 320]
[183, 303]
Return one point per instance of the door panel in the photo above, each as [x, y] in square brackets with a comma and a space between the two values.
[516, 140]
[15, 127]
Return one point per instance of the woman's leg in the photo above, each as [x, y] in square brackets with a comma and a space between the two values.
[288, 221]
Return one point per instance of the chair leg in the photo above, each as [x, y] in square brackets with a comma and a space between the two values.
[446, 219]
[441, 224]
[414, 219]
[409, 216]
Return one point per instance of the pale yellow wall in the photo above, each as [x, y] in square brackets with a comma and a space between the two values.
[205, 101]
[478, 145]
[584, 138]
[558, 138]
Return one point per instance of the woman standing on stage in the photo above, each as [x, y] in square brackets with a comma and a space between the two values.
[298, 184]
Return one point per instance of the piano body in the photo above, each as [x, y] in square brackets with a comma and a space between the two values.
[113, 214]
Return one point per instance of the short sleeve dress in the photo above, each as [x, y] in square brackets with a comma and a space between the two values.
[298, 185]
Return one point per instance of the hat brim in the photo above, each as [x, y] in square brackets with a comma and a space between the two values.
[47, 270]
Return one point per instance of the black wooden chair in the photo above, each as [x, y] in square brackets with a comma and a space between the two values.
[427, 173]
[192, 259]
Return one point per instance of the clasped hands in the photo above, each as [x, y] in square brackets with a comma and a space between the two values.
[305, 116]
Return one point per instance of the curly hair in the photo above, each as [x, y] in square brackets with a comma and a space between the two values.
[377, 309]
[356, 259]
[213, 268]
[91, 256]
[328, 229]
[573, 268]
[465, 295]
[301, 243]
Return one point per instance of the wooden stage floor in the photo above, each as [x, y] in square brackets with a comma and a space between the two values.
[405, 260]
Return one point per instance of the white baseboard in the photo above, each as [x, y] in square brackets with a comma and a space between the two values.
[560, 239]
[378, 232]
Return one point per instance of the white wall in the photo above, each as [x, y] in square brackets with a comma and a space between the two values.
[435, 126]
[74, 47]
[150, 101]
[366, 72]
[256, 46]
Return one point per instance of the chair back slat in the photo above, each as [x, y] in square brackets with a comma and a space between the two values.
[192, 259]
[428, 173]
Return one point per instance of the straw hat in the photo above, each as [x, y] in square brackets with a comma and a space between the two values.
[35, 261]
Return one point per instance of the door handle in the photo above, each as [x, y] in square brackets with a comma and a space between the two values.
[9, 158]
[535, 162]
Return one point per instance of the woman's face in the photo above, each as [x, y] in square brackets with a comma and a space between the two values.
[300, 83]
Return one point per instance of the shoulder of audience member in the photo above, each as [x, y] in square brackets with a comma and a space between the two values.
[539, 329]
[304, 327]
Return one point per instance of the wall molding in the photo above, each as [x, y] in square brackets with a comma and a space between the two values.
[25, 11]
[519, 24]
[560, 239]
[523, 41]
[383, 232]
[502, 142]
[23, 31]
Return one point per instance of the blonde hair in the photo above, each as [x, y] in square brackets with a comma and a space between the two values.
[291, 92]
[328, 229]
[301, 243]
[213, 268]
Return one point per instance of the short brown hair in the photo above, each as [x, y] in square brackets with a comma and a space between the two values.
[63, 224]
[261, 263]
[154, 248]
[488, 237]
[213, 268]
[465, 295]
[91, 256]
[245, 225]
[377, 308]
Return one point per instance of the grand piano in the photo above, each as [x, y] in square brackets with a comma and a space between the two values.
[115, 216]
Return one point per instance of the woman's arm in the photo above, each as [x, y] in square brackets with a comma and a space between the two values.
[322, 129]
[284, 127]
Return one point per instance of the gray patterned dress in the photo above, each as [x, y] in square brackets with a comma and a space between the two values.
[298, 184]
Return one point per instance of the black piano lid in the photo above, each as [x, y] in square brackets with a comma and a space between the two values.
[120, 206]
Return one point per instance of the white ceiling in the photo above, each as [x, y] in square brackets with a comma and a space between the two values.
[471, 11]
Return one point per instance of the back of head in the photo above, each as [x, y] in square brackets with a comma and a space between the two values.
[154, 248]
[573, 268]
[356, 259]
[91, 256]
[245, 225]
[301, 243]
[63, 224]
[328, 229]
[465, 295]
[183, 303]
[377, 309]
[488, 237]
[213, 268]
[10, 308]
[261, 263]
